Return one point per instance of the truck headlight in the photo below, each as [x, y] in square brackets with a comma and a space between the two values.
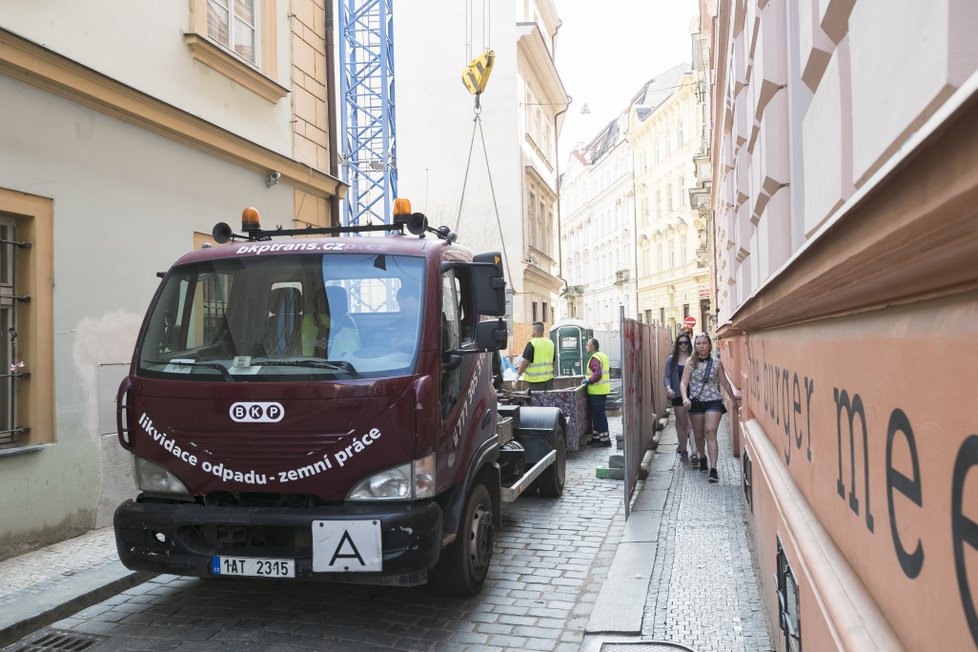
[411, 481]
[153, 478]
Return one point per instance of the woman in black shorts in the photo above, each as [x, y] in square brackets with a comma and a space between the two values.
[672, 377]
[700, 388]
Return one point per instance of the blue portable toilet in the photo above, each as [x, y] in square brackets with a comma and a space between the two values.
[570, 338]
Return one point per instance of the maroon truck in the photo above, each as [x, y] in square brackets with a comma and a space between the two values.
[307, 406]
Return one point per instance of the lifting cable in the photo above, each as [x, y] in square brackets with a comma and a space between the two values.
[477, 124]
[475, 76]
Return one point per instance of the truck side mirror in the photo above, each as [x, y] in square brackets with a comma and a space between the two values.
[489, 284]
[491, 335]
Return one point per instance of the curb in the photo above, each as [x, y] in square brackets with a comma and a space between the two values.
[620, 604]
[42, 607]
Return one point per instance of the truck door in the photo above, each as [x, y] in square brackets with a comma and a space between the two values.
[460, 373]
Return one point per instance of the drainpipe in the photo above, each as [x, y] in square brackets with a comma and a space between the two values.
[560, 247]
[334, 201]
[631, 158]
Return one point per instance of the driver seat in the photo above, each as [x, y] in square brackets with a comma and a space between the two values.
[283, 327]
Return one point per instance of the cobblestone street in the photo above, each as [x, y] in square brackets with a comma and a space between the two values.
[550, 559]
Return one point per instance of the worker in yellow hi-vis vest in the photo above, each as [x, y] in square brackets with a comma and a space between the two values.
[598, 381]
[537, 365]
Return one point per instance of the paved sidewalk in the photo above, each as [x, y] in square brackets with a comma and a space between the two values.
[45, 585]
[696, 572]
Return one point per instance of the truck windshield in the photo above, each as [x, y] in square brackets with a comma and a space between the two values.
[286, 318]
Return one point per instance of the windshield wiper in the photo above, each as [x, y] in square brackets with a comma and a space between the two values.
[336, 365]
[187, 363]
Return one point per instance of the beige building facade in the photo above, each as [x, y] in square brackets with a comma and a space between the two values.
[845, 194]
[116, 160]
[598, 229]
[673, 277]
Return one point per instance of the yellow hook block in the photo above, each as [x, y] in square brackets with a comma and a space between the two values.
[475, 76]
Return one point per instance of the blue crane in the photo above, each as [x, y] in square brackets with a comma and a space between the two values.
[367, 124]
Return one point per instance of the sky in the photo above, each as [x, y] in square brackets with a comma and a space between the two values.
[607, 50]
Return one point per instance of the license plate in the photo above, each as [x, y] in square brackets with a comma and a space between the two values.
[346, 546]
[252, 567]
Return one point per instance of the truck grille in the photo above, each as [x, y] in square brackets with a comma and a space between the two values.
[264, 450]
[234, 499]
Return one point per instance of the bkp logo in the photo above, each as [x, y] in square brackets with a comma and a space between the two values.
[258, 412]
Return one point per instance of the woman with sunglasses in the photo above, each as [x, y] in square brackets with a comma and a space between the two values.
[700, 388]
[672, 377]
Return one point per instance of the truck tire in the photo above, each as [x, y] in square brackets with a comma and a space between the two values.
[464, 564]
[551, 482]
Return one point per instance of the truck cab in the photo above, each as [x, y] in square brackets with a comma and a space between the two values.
[301, 405]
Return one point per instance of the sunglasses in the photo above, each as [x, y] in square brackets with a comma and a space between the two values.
[684, 341]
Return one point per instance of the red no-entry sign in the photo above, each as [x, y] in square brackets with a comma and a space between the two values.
[690, 321]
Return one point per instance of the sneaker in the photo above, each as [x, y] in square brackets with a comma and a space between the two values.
[714, 476]
[694, 460]
[702, 464]
[684, 457]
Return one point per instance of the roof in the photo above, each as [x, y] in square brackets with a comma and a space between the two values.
[648, 98]
[658, 89]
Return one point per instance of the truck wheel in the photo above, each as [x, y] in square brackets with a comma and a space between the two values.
[464, 564]
[551, 482]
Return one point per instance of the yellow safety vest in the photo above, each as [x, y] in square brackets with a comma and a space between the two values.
[541, 369]
[342, 339]
[603, 386]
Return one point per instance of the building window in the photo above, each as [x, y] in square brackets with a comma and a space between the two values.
[237, 39]
[26, 320]
[748, 480]
[545, 312]
[542, 236]
[233, 24]
[531, 218]
[662, 316]
[534, 311]
[9, 428]
[789, 615]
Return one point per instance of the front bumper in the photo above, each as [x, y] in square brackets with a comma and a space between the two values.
[181, 538]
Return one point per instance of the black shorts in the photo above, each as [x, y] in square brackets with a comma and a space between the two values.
[702, 407]
[677, 402]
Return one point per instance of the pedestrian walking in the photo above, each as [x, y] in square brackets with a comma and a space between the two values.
[598, 382]
[700, 388]
[538, 361]
[671, 378]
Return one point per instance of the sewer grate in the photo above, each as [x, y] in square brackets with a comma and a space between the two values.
[643, 646]
[630, 644]
[58, 640]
